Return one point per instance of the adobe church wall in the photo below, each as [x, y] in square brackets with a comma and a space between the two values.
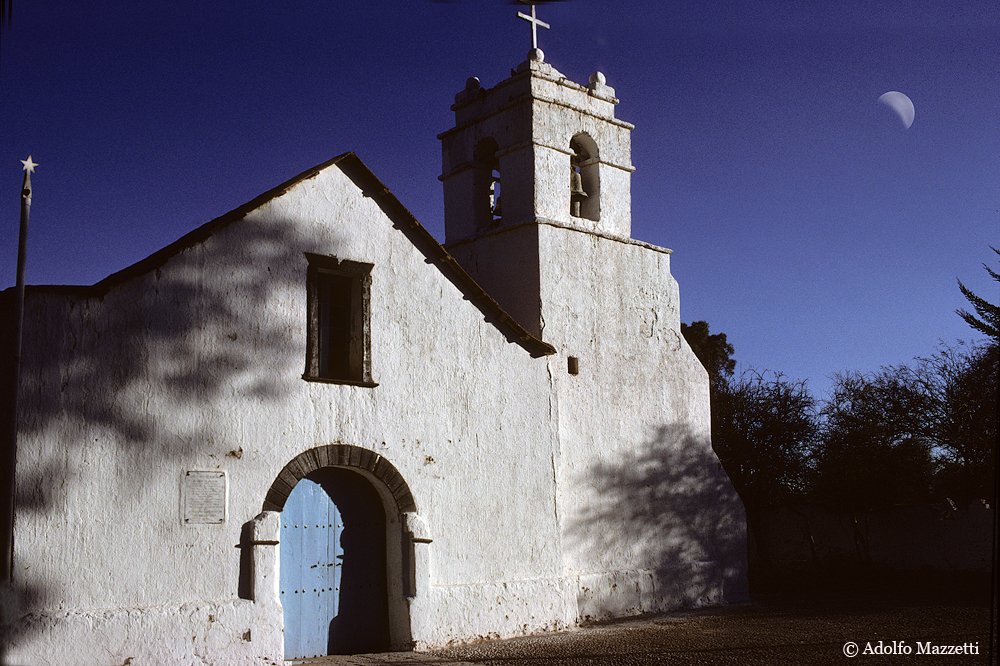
[227, 633]
[649, 518]
[197, 365]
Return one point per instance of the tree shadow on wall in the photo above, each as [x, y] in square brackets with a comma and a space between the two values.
[130, 367]
[668, 510]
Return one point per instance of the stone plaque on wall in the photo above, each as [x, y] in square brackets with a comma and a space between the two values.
[204, 497]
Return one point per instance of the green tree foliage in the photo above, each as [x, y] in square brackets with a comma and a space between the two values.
[908, 434]
[961, 386]
[988, 321]
[714, 352]
[874, 448]
[763, 430]
[911, 434]
[873, 451]
[905, 434]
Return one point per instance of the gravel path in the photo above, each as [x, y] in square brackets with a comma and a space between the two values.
[775, 632]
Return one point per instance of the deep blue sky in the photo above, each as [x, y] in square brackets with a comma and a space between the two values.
[807, 224]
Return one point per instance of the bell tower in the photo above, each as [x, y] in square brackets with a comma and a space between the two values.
[536, 175]
[535, 150]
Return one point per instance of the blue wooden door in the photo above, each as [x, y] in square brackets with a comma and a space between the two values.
[333, 566]
[311, 566]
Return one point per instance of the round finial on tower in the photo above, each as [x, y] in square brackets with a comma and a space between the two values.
[536, 54]
[473, 84]
[598, 77]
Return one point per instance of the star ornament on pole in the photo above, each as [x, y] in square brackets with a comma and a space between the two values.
[29, 168]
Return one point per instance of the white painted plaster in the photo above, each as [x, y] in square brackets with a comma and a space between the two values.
[541, 498]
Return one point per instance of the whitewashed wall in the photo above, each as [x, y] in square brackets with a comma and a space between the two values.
[546, 498]
[650, 519]
[197, 366]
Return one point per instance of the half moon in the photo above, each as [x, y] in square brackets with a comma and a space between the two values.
[901, 104]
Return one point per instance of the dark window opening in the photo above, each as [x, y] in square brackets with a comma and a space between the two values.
[573, 365]
[339, 344]
[335, 325]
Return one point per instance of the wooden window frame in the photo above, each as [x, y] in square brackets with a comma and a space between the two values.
[359, 366]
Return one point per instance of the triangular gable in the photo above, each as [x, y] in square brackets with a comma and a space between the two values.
[371, 187]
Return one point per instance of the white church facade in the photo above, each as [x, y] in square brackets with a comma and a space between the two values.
[308, 427]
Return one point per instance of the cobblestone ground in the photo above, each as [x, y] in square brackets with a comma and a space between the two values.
[765, 633]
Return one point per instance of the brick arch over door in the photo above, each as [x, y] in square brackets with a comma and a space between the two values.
[339, 455]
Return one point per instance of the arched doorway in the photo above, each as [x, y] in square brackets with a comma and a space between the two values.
[343, 565]
[333, 566]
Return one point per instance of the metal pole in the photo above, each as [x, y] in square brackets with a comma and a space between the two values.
[10, 459]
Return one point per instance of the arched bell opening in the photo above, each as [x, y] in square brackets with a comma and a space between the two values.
[486, 183]
[585, 178]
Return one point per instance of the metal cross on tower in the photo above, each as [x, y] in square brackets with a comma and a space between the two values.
[533, 20]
